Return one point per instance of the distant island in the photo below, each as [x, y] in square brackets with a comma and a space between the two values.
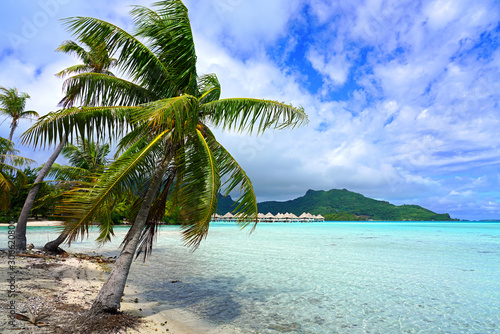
[342, 205]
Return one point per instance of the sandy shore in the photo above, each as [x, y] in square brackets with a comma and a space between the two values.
[42, 222]
[62, 288]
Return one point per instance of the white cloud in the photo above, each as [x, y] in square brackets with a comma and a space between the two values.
[241, 25]
[418, 116]
[334, 66]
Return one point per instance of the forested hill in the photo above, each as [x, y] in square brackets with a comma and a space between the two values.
[342, 204]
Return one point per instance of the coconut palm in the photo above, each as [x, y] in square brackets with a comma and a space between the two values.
[166, 152]
[9, 161]
[87, 161]
[12, 105]
[96, 59]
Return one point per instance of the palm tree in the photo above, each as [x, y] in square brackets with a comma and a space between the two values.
[12, 104]
[167, 151]
[95, 60]
[9, 162]
[87, 160]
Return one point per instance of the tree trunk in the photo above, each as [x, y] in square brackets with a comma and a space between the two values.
[53, 246]
[20, 241]
[13, 127]
[109, 297]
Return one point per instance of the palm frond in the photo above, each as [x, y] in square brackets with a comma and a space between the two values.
[69, 173]
[249, 115]
[136, 134]
[89, 204]
[236, 179]
[88, 155]
[100, 89]
[15, 160]
[12, 102]
[209, 88]
[178, 113]
[199, 187]
[7, 187]
[75, 69]
[135, 59]
[76, 49]
[89, 122]
[30, 114]
[167, 31]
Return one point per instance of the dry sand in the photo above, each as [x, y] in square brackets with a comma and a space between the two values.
[41, 222]
[62, 288]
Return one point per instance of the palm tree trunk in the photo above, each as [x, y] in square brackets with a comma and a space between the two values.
[109, 297]
[20, 240]
[12, 129]
[53, 246]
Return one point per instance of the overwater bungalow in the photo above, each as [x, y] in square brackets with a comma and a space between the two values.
[270, 218]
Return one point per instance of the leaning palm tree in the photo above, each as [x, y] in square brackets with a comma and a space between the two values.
[162, 114]
[12, 105]
[96, 59]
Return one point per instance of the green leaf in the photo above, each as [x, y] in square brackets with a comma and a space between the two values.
[249, 115]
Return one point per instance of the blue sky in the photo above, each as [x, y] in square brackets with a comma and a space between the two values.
[402, 96]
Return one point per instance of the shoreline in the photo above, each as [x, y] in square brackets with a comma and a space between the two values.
[64, 287]
[41, 222]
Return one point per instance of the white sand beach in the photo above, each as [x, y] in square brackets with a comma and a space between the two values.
[60, 288]
[41, 222]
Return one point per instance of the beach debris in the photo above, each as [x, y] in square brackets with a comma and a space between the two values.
[33, 319]
[35, 313]
[94, 258]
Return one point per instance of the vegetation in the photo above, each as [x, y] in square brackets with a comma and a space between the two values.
[87, 163]
[45, 203]
[166, 151]
[344, 216]
[96, 60]
[12, 179]
[12, 105]
[344, 205]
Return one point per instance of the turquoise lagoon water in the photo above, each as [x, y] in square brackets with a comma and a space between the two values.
[325, 277]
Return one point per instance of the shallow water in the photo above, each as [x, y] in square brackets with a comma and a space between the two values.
[326, 277]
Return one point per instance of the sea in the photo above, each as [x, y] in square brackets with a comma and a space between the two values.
[331, 277]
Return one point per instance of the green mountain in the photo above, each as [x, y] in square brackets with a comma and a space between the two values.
[342, 204]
